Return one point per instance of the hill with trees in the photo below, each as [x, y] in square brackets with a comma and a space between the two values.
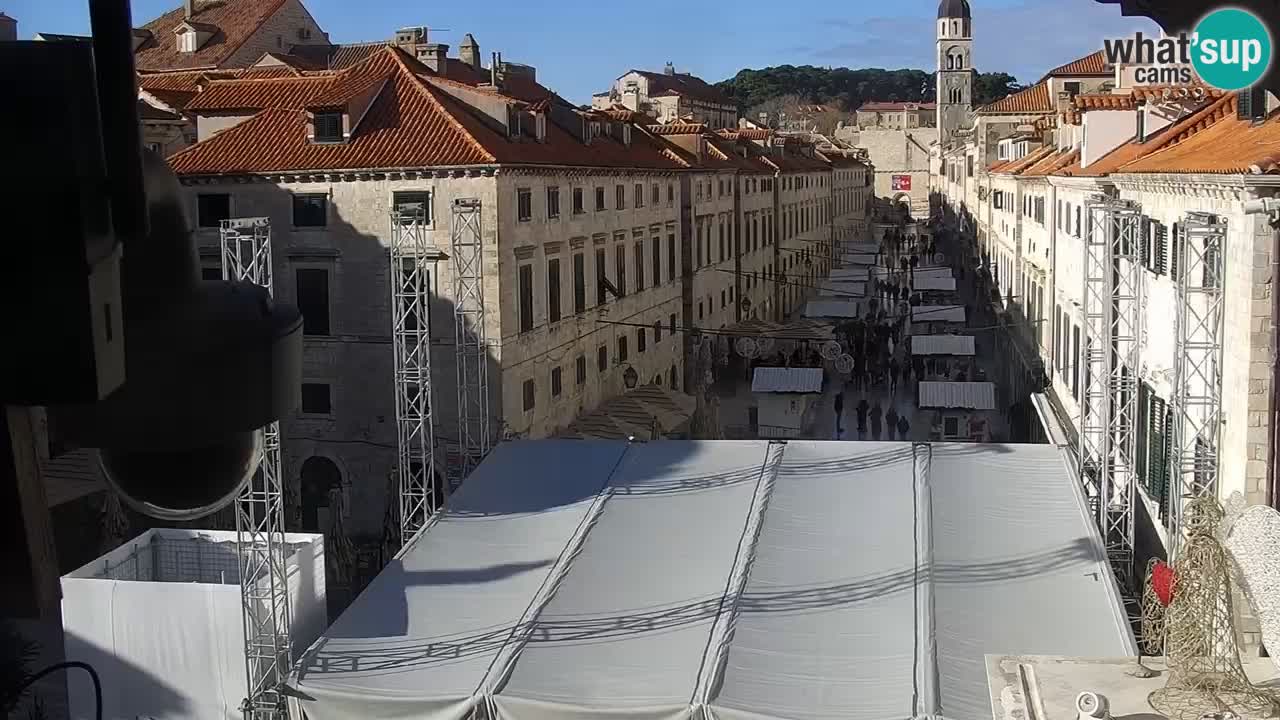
[846, 89]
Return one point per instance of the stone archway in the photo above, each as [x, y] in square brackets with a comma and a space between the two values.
[319, 475]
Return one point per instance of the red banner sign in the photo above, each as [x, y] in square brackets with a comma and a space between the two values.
[902, 183]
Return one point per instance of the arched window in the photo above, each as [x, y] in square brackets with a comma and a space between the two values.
[955, 26]
[674, 385]
[951, 61]
[959, 61]
[319, 476]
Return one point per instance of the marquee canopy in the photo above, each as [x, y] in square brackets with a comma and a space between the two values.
[731, 580]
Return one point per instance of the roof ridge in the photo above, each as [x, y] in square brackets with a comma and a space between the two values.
[430, 93]
[221, 136]
[1191, 121]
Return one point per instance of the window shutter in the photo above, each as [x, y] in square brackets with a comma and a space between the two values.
[1144, 252]
[1175, 251]
[1144, 431]
[1157, 469]
[1161, 261]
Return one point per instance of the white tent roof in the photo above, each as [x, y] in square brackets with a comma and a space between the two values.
[942, 345]
[842, 288]
[969, 395]
[868, 247]
[859, 258]
[786, 380]
[920, 272]
[740, 579]
[938, 313]
[925, 282]
[831, 308]
[857, 273]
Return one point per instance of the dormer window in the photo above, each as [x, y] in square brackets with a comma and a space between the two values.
[328, 127]
[191, 35]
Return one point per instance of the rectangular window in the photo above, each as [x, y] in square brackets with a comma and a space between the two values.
[316, 399]
[579, 206]
[1075, 363]
[212, 209]
[620, 268]
[553, 202]
[622, 349]
[328, 127]
[639, 266]
[313, 300]
[526, 298]
[1160, 259]
[671, 256]
[697, 261]
[211, 272]
[620, 197]
[722, 248]
[671, 323]
[412, 207]
[579, 284]
[599, 199]
[600, 277]
[640, 340]
[524, 204]
[602, 358]
[657, 332]
[556, 381]
[656, 247]
[530, 395]
[671, 193]
[580, 369]
[639, 195]
[656, 195]
[310, 210]
[553, 290]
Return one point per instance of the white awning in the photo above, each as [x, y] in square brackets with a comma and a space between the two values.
[924, 282]
[865, 248]
[961, 345]
[674, 580]
[921, 272]
[966, 395]
[842, 288]
[832, 308]
[938, 313]
[856, 274]
[860, 258]
[786, 380]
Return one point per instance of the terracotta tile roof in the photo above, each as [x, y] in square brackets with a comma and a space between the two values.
[754, 133]
[1016, 166]
[295, 93]
[1157, 93]
[185, 81]
[1034, 99]
[1133, 150]
[410, 124]
[1091, 64]
[342, 57]
[234, 21]
[1104, 101]
[147, 111]
[1052, 162]
[296, 60]
[683, 84]
[1216, 142]
[678, 129]
[877, 106]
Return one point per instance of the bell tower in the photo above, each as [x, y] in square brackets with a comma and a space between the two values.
[955, 67]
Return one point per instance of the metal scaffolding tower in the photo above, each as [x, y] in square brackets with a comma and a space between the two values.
[264, 595]
[475, 427]
[419, 497]
[1109, 359]
[1199, 246]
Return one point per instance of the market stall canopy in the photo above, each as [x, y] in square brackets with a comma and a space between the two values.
[842, 288]
[920, 272]
[938, 313]
[672, 580]
[857, 273]
[633, 414]
[832, 308]
[958, 395]
[924, 282]
[864, 248]
[959, 345]
[786, 380]
[859, 258]
[795, 330]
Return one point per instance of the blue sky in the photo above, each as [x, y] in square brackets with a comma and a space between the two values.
[579, 46]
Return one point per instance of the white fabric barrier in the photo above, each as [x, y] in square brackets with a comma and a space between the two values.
[159, 618]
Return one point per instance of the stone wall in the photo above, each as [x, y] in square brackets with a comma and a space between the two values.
[279, 34]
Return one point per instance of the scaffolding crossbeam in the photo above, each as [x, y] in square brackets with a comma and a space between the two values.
[419, 497]
[259, 511]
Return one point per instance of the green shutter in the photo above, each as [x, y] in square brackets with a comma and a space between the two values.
[1175, 251]
[1157, 472]
[1161, 263]
[1144, 417]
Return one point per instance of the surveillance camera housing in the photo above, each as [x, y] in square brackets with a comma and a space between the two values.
[208, 364]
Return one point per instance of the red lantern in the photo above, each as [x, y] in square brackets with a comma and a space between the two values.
[1162, 582]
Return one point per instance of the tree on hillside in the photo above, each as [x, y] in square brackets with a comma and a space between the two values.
[845, 89]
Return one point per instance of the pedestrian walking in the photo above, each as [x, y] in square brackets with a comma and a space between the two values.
[862, 418]
[904, 427]
[876, 414]
[839, 406]
[891, 421]
[893, 374]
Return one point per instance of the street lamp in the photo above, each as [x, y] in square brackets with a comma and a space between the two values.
[630, 378]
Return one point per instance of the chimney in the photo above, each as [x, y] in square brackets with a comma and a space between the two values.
[669, 69]
[1251, 104]
[435, 56]
[189, 8]
[469, 52]
[1142, 122]
[493, 69]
